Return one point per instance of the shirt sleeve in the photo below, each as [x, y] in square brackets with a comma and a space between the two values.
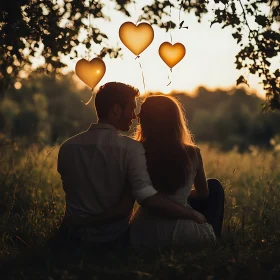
[63, 159]
[137, 174]
[60, 159]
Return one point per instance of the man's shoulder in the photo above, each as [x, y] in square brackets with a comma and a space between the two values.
[127, 139]
[73, 140]
[130, 143]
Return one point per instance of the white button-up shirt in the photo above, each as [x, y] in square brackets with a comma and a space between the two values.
[95, 166]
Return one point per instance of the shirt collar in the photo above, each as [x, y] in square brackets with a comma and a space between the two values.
[102, 126]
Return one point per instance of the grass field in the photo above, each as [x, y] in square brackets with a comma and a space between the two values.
[32, 203]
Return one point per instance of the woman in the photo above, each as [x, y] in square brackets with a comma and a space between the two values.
[175, 165]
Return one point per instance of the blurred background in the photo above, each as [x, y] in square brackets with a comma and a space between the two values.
[47, 110]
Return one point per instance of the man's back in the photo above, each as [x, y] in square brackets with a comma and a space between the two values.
[93, 168]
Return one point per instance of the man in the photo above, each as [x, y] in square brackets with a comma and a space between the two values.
[100, 167]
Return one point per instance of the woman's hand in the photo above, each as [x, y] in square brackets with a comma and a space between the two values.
[198, 217]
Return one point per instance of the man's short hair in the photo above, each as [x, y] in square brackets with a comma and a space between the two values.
[113, 93]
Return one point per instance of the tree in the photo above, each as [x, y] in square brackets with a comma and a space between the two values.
[29, 27]
[42, 111]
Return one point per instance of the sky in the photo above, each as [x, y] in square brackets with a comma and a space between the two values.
[209, 59]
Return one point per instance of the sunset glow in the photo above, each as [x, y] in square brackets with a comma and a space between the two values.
[209, 59]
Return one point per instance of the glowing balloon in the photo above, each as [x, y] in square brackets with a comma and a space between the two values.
[90, 72]
[136, 38]
[171, 54]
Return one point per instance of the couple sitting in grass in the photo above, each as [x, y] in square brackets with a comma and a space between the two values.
[104, 173]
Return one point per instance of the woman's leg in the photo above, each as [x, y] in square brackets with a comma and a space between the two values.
[212, 207]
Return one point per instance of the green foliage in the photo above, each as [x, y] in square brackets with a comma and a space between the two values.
[27, 26]
[46, 109]
[51, 28]
[49, 110]
[229, 121]
[31, 198]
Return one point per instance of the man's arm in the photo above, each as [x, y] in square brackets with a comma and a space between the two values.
[167, 208]
[147, 196]
[118, 212]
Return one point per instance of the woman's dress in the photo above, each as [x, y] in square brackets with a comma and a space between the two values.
[151, 231]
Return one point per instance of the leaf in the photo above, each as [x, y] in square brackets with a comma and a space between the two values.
[181, 24]
[241, 80]
[261, 20]
[237, 36]
[277, 73]
[252, 70]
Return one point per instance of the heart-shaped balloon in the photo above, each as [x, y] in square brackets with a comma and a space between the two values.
[136, 38]
[90, 72]
[171, 54]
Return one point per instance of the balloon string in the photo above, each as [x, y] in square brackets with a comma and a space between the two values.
[181, 23]
[143, 78]
[88, 52]
[170, 81]
[90, 97]
[170, 23]
[181, 6]
[136, 21]
[89, 26]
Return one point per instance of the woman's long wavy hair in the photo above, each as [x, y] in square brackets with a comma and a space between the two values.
[170, 149]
